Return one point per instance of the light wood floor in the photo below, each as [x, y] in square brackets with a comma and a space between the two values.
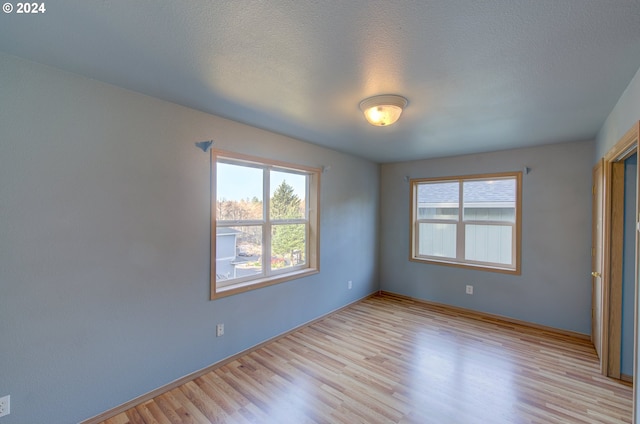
[391, 360]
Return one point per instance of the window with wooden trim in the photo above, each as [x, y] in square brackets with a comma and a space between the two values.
[264, 222]
[469, 221]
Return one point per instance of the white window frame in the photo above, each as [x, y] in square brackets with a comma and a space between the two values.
[461, 223]
[311, 220]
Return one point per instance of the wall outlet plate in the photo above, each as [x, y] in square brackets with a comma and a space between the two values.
[219, 330]
[5, 405]
[469, 289]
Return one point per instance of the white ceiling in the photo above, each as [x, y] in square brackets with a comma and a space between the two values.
[479, 75]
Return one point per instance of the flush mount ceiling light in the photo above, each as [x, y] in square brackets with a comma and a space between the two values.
[383, 110]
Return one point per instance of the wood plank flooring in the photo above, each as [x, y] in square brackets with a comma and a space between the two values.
[387, 359]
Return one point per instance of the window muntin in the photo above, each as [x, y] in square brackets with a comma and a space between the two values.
[264, 224]
[471, 221]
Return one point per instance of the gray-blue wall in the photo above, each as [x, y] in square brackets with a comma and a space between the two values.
[104, 244]
[625, 114]
[555, 286]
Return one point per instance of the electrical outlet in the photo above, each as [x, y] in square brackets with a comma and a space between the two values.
[219, 330]
[469, 289]
[5, 405]
[350, 284]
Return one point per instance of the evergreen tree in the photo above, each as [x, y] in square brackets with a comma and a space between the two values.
[285, 204]
[286, 239]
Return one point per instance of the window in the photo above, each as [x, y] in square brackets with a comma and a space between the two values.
[472, 221]
[264, 222]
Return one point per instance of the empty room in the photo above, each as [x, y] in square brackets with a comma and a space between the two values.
[278, 211]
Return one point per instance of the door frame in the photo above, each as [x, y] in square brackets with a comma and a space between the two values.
[616, 265]
[612, 290]
[597, 260]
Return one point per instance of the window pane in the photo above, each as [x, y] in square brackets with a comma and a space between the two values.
[238, 192]
[288, 195]
[489, 243]
[288, 245]
[437, 240]
[438, 200]
[238, 252]
[490, 200]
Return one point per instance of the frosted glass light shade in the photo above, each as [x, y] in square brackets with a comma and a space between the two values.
[384, 110]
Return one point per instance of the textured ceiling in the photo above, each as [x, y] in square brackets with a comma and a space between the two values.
[479, 75]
